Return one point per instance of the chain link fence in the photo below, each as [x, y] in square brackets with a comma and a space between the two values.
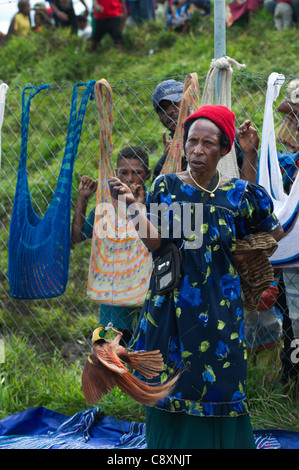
[62, 326]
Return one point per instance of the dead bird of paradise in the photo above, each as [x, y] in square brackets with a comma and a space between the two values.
[108, 366]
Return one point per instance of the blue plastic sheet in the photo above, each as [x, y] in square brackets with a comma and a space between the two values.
[41, 428]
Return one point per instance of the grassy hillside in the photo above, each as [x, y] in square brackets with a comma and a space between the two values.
[149, 52]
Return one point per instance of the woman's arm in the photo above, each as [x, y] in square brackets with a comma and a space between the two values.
[277, 234]
[147, 232]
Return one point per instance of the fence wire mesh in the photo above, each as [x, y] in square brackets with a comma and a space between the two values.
[62, 326]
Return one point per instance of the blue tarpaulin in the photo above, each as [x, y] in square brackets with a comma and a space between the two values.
[41, 428]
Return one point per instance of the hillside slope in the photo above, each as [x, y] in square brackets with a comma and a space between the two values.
[150, 51]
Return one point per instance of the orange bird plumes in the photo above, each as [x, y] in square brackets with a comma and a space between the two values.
[108, 367]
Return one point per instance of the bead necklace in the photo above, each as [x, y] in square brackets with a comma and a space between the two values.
[203, 189]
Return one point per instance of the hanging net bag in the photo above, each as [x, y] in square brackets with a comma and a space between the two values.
[228, 164]
[39, 248]
[120, 265]
[190, 102]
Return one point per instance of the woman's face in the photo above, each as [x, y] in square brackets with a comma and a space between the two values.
[202, 147]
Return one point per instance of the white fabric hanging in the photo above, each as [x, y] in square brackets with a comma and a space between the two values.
[227, 164]
[3, 90]
[286, 206]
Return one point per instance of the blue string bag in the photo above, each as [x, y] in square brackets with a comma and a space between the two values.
[39, 248]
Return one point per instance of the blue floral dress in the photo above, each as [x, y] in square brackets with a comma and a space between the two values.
[199, 327]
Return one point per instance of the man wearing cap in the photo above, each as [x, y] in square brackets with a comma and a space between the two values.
[166, 100]
[41, 17]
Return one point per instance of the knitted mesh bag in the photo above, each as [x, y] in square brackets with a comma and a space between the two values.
[39, 248]
[120, 264]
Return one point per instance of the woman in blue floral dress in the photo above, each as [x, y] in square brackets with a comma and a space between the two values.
[199, 327]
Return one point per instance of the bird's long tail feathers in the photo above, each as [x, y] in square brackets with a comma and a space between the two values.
[147, 363]
[96, 380]
[144, 393]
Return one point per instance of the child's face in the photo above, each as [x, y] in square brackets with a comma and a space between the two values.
[131, 171]
[25, 9]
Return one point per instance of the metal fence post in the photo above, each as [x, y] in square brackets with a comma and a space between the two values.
[219, 40]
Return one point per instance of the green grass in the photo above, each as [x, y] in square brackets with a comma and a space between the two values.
[42, 367]
[29, 380]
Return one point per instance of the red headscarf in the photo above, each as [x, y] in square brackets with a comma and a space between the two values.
[223, 117]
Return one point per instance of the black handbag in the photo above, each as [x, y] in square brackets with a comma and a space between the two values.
[167, 265]
[167, 269]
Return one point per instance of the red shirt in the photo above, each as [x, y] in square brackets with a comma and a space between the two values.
[111, 9]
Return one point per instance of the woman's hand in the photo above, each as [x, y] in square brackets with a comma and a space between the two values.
[277, 234]
[138, 192]
[117, 188]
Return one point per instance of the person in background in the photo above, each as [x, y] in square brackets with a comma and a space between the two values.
[84, 29]
[20, 24]
[41, 17]
[289, 164]
[264, 337]
[166, 100]
[289, 106]
[270, 5]
[64, 13]
[283, 15]
[133, 170]
[180, 12]
[140, 10]
[236, 10]
[108, 18]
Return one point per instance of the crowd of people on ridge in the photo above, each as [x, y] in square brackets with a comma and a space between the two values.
[111, 17]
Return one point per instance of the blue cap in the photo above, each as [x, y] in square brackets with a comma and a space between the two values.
[170, 90]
